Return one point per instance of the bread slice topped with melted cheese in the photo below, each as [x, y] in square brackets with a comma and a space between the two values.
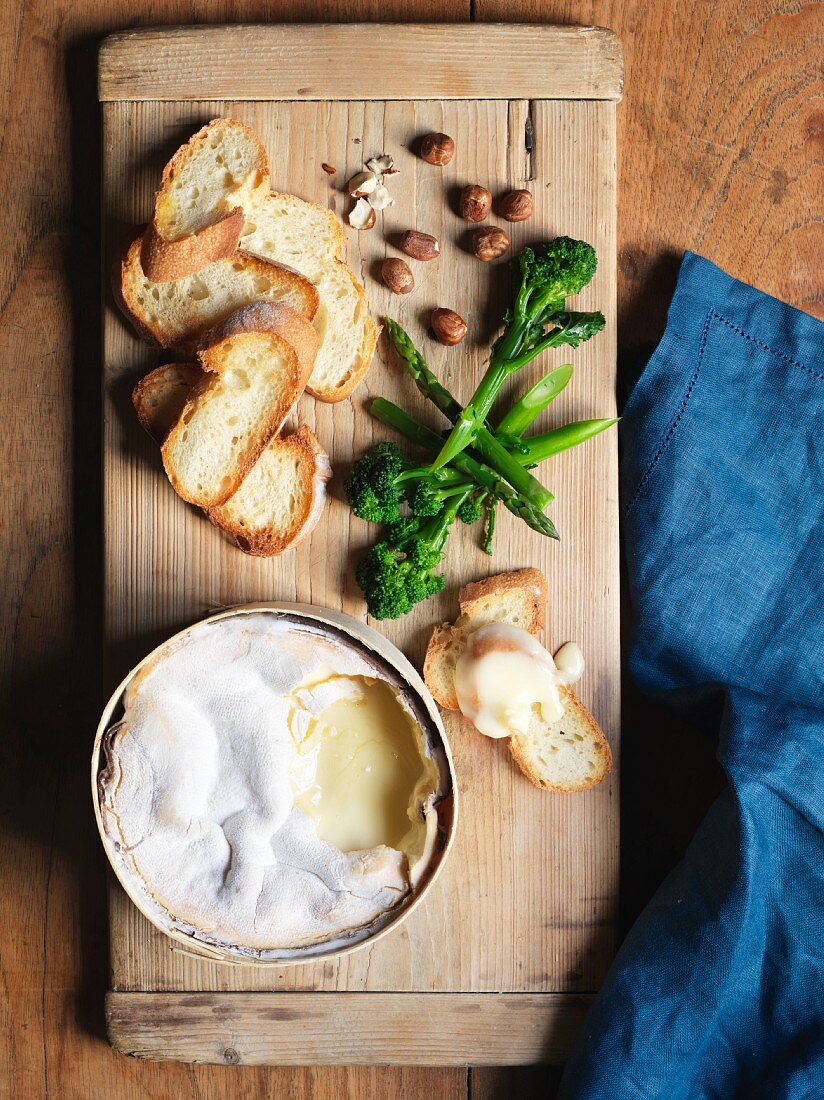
[517, 598]
[571, 754]
[176, 314]
[199, 209]
[258, 363]
[280, 500]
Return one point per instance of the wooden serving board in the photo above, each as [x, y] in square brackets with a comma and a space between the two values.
[498, 964]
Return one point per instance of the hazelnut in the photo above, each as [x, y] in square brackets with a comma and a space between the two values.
[420, 246]
[489, 242]
[516, 206]
[361, 216]
[475, 203]
[437, 149]
[363, 184]
[397, 276]
[448, 326]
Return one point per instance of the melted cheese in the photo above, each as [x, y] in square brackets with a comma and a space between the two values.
[361, 773]
[504, 675]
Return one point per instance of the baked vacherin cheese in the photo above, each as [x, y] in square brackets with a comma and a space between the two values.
[271, 786]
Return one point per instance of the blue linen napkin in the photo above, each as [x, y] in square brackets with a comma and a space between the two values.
[718, 990]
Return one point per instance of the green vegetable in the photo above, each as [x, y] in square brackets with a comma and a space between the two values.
[529, 407]
[489, 530]
[537, 321]
[472, 508]
[476, 467]
[490, 449]
[398, 572]
[483, 476]
[540, 447]
[381, 480]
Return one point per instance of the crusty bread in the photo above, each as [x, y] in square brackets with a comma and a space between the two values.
[292, 231]
[198, 215]
[569, 755]
[176, 313]
[287, 230]
[517, 598]
[160, 397]
[259, 363]
[282, 497]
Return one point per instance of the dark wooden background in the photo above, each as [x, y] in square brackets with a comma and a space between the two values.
[721, 150]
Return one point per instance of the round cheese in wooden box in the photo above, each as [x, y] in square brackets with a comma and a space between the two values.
[274, 784]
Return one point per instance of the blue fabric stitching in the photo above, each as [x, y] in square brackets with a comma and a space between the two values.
[693, 380]
[766, 347]
[668, 434]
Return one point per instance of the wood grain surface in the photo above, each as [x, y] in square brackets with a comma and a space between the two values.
[528, 899]
[362, 1028]
[337, 61]
[721, 140]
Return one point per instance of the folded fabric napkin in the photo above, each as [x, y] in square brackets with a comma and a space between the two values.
[718, 990]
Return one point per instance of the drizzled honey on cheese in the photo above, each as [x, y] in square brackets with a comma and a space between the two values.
[267, 790]
[504, 674]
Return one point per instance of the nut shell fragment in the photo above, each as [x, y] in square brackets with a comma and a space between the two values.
[361, 216]
[364, 183]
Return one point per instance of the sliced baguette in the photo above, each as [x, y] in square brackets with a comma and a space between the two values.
[198, 214]
[258, 364]
[517, 598]
[160, 397]
[569, 755]
[282, 497]
[175, 314]
[304, 236]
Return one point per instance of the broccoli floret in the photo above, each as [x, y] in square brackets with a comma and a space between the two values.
[399, 572]
[471, 509]
[563, 267]
[537, 321]
[372, 487]
[381, 480]
[393, 582]
[426, 498]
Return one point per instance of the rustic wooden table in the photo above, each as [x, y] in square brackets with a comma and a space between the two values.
[721, 147]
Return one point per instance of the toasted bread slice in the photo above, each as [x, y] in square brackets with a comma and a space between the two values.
[198, 215]
[517, 598]
[569, 755]
[160, 397]
[287, 230]
[282, 497]
[175, 314]
[292, 231]
[258, 362]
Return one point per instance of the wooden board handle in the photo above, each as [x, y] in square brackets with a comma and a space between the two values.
[345, 61]
[299, 1029]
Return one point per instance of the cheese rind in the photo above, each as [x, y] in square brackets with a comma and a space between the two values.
[198, 802]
